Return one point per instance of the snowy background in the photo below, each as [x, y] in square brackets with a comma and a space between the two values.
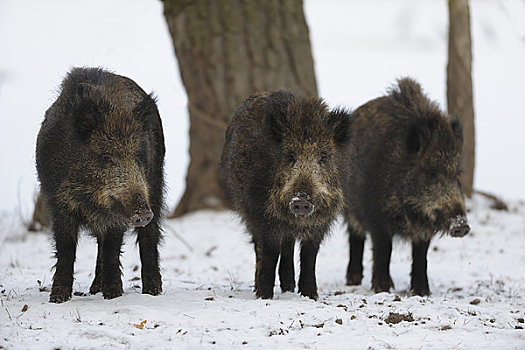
[360, 48]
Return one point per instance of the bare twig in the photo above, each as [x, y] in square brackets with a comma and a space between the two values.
[172, 230]
[8, 314]
[497, 203]
[77, 316]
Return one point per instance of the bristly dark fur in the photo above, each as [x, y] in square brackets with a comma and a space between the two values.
[340, 122]
[100, 158]
[280, 145]
[405, 158]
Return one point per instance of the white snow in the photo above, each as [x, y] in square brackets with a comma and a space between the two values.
[360, 48]
[208, 299]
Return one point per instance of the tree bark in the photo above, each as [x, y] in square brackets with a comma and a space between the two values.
[459, 84]
[39, 220]
[226, 51]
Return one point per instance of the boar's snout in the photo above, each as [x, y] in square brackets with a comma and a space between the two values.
[141, 218]
[459, 227]
[300, 206]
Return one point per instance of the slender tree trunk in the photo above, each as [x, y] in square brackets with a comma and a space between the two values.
[39, 219]
[459, 84]
[226, 51]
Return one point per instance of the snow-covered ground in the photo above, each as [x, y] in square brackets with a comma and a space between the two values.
[477, 301]
[360, 48]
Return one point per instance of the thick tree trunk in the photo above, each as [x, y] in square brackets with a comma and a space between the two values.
[226, 51]
[459, 84]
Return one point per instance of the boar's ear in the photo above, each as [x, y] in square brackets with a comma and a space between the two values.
[413, 140]
[457, 128]
[339, 120]
[417, 136]
[276, 111]
[419, 133]
[88, 115]
[146, 110]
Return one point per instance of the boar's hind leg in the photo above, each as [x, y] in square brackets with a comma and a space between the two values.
[65, 234]
[354, 272]
[419, 279]
[257, 265]
[286, 268]
[149, 239]
[381, 281]
[111, 274]
[267, 254]
[307, 281]
[96, 286]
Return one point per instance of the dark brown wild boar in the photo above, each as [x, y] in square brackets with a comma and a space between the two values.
[405, 160]
[100, 156]
[282, 170]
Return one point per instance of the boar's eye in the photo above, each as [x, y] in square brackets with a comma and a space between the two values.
[323, 159]
[108, 160]
[291, 158]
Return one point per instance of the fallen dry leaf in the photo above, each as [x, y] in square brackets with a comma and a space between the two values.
[141, 325]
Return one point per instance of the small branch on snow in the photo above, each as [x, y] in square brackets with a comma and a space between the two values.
[8, 314]
[388, 346]
[179, 237]
[77, 317]
[497, 203]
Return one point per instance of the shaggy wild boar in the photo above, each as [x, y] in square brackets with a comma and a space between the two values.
[405, 158]
[282, 170]
[100, 157]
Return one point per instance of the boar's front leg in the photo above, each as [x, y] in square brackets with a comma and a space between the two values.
[267, 250]
[111, 274]
[307, 280]
[354, 272]
[286, 265]
[382, 251]
[65, 233]
[149, 239]
[96, 286]
[419, 279]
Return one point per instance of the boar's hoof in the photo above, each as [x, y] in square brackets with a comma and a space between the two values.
[96, 286]
[287, 287]
[58, 299]
[308, 289]
[112, 292]
[421, 291]
[141, 218]
[354, 279]
[268, 294]
[152, 290]
[312, 294]
[383, 285]
[301, 207]
[60, 295]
